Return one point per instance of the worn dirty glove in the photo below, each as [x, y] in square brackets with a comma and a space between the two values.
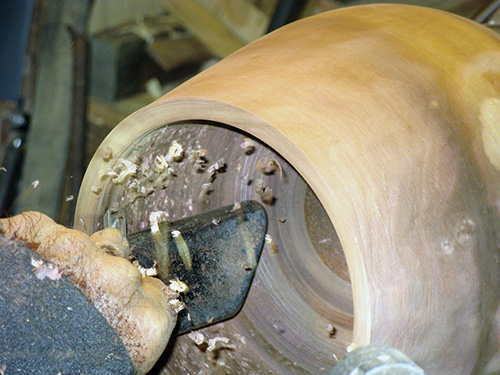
[138, 307]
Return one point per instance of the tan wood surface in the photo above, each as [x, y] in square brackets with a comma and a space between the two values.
[391, 114]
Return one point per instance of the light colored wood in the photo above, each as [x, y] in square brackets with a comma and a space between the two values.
[170, 53]
[391, 114]
[223, 26]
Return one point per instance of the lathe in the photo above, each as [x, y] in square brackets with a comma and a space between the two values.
[371, 137]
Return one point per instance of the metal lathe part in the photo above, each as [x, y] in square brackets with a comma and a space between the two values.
[376, 359]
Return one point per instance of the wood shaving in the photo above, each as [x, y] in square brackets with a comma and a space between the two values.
[134, 186]
[258, 186]
[351, 347]
[272, 245]
[37, 263]
[155, 218]
[152, 271]
[269, 165]
[125, 170]
[268, 196]
[206, 189]
[332, 331]
[197, 337]
[216, 167]
[105, 173]
[51, 273]
[177, 305]
[161, 245]
[161, 163]
[173, 291]
[178, 286]
[212, 344]
[70, 198]
[45, 270]
[107, 153]
[248, 145]
[96, 189]
[176, 152]
[154, 227]
[183, 249]
[201, 152]
[266, 193]
[199, 159]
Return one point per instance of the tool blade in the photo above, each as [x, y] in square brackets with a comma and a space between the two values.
[224, 246]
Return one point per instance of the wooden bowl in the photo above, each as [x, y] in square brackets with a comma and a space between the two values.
[391, 115]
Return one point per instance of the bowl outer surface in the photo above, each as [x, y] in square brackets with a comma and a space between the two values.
[388, 112]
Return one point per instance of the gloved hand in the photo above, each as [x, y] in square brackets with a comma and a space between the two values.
[137, 307]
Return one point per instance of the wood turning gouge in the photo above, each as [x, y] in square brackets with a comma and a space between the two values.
[214, 253]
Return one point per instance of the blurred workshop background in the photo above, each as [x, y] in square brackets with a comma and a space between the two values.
[71, 70]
